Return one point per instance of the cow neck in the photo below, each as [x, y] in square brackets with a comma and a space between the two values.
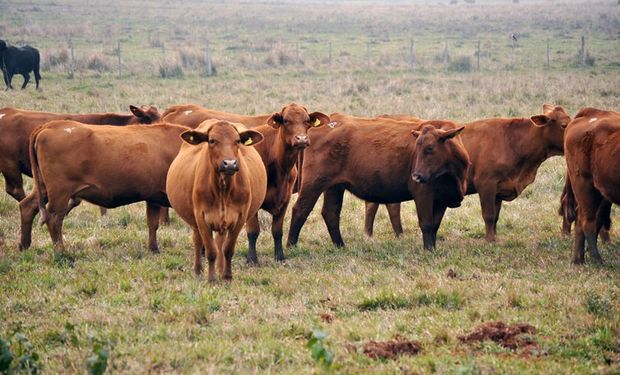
[534, 145]
[284, 154]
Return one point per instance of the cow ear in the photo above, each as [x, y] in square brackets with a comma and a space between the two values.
[548, 108]
[250, 137]
[319, 119]
[138, 112]
[194, 137]
[540, 120]
[416, 133]
[275, 120]
[449, 134]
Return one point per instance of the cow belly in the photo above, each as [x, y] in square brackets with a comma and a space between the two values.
[379, 193]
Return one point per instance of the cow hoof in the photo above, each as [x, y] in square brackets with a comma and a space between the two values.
[253, 262]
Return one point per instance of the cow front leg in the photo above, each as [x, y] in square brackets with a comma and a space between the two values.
[332, 206]
[252, 228]
[28, 208]
[394, 213]
[152, 220]
[198, 250]
[210, 248]
[277, 230]
[424, 209]
[305, 203]
[228, 249]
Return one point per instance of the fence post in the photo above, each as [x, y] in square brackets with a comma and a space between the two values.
[411, 55]
[367, 55]
[118, 51]
[72, 61]
[209, 64]
[478, 58]
[548, 54]
[297, 57]
[446, 56]
[330, 54]
[582, 51]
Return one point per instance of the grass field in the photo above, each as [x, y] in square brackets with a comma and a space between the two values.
[107, 300]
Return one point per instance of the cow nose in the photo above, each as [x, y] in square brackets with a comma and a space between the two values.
[417, 177]
[301, 140]
[229, 166]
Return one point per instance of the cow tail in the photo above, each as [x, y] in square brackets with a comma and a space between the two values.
[39, 185]
[568, 208]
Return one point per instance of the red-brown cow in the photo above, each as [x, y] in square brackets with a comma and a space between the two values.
[285, 136]
[193, 115]
[568, 212]
[215, 184]
[383, 163]
[16, 125]
[505, 155]
[592, 147]
[106, 165]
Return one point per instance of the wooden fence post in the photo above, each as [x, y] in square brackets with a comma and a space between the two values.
[330, 54]
[208, 61]
[72, 61]
[367, 55]
[297, 56]
[446, 55]
[582, 51]
[548, 54]
[118, 51]
[411, 55]
[478, 57]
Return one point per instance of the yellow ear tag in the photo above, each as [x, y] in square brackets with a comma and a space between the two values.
[248, 142]
[317, 122]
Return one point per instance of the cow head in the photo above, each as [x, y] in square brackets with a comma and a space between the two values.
[552, 122]
[224, 139]
[293, 123]
[3, 45]
[433, 153]
[145, 115]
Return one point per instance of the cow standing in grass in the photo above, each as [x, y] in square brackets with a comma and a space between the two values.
[215, 184]
[19, 60]
[592, 146]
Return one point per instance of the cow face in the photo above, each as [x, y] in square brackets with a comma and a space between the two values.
[432, 154]
[224, 142]
[553, 121]
[145, 115]
[293, 123]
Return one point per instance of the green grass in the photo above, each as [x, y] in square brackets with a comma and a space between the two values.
[107, 302]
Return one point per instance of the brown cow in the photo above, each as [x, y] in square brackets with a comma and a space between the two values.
[16, 125]
[215, 184]
[193, 115]
[105, 165]
[285, 136]
[385, 163]
[568, 212]
[592, 146]
[505, 155]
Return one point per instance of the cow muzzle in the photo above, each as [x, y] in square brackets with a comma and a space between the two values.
[229, 166]
[419, 178]
[301, 141]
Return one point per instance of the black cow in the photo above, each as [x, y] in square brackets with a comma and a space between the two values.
[19, 60]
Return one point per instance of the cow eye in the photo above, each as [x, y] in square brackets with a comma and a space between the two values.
[211, 141]
[428, 150]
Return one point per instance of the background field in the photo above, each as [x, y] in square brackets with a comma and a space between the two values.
[152, 315]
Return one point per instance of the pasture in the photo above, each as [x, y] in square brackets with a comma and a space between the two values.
[108, 300]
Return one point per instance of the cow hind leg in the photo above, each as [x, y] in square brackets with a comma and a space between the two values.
[332, 206]
[394, 213]
[56, 212]
[28, 208]
[164, 216]
[253, 230]
[37, 77]
[152, 220]
[603, 219]
[26, 79]
[369, 217]
[490, 212]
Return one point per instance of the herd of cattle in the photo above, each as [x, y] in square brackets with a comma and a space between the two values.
[218, 169]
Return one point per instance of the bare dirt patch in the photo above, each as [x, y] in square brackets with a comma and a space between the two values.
[391, 349]
[508, 336]
[327, 317]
